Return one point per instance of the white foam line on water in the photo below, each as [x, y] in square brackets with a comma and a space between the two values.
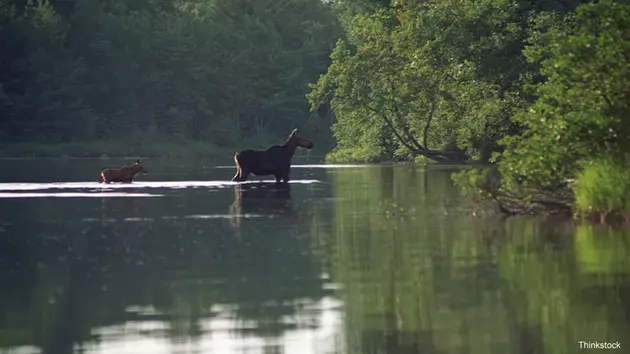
[134, 185]
[75, 195]
[228, 216]
[117, 220]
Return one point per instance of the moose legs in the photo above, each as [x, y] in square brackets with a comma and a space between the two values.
[241, 174]
[282, 176]
[237, 176]
[249, 163]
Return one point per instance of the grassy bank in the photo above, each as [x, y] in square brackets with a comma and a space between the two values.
[602, 190]
[599, 192]
[121, 148]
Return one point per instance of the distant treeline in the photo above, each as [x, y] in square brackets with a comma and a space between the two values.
[215, 70]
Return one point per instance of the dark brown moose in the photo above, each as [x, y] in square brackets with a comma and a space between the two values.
[124, 174]
[274, 161]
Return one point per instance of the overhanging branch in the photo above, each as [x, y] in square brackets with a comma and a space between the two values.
[393, 128]
[396, 111]
[426, 127]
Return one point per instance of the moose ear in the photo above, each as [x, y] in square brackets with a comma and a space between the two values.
[138, 161]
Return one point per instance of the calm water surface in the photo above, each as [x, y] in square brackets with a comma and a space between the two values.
[349, 260]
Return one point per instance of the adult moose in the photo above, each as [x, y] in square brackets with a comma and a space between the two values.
[274, 161]
[124, 174]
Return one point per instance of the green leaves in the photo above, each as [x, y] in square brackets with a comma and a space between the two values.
[201, 70]
[583, 105]
[435, 73]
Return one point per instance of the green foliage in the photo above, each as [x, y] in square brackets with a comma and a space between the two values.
[40, 83]
[347, 9]
[603, 187]
[357, 154]
[582, 109]
[577, 127]
[214, 71]
[414, 79]
[158, 146]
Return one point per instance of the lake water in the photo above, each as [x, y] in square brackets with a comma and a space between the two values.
[349, 260]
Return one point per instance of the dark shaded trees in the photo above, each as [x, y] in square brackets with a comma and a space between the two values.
[213, 71]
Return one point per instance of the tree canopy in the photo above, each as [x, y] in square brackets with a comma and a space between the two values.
[429, 78]
[583, 106]
[214, 70]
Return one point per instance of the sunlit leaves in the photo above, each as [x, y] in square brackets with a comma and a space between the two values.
[583, 105]
[441, 73]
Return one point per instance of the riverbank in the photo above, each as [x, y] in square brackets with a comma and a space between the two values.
[347, 156]
[170, 148]
[598, 192]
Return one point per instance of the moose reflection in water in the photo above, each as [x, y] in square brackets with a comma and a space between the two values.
[261, 199]
[274, 161]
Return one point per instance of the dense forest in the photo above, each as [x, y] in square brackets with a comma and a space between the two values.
[425, 78]
[215, 71]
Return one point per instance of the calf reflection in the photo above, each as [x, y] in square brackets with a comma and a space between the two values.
[261, 199]
[120, 208]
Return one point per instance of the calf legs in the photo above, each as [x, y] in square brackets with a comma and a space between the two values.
[103, 179]
[109, 176]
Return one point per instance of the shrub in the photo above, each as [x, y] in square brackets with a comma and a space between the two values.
[603, 188]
